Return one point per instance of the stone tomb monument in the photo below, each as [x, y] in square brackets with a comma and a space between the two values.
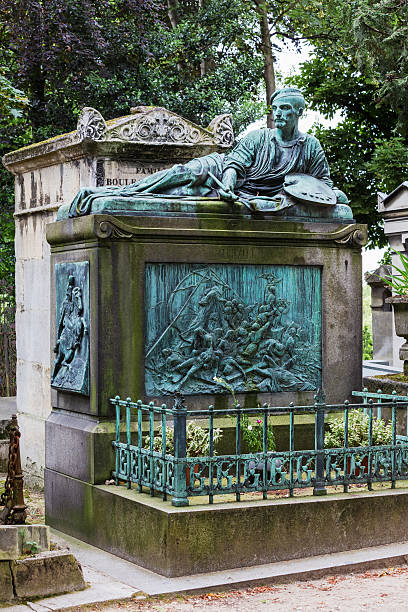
[245, 266]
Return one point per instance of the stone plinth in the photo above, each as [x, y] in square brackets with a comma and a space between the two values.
[381, 312]
[394, 210]
[14, 540]
[202, 538]
[122, 253]
[48, 175]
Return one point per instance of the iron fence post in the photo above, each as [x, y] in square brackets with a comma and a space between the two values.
[319, 488]
[180, 422]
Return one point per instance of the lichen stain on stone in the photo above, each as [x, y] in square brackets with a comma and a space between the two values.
[20, 181]
[33, 195]
[44, 142]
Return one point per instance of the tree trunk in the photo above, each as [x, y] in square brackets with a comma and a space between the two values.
[172, 12]
[269, 69]
[204, 64]
[37, 110]
[174, 21]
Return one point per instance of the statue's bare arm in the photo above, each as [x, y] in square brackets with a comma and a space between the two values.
[229, 179]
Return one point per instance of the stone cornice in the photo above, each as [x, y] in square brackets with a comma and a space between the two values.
[222, 227]
[148, 133]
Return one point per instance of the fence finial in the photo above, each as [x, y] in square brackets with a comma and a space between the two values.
[179, 401]
[320, 397]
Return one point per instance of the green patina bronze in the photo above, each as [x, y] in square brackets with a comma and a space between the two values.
[269, 170]
[71, 366]
[140, 463]
[257, 326]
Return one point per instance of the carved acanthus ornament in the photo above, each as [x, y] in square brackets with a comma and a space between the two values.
[221, 127]
[91, 124]
[154, 125]
[355, 237]
[106, 229]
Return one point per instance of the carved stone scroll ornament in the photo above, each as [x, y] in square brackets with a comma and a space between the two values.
[221, 127]
[91, 124]
[161, 126]
[111, 230]
[356, 237]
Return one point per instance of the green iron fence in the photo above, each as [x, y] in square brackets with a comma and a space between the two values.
[138, 461]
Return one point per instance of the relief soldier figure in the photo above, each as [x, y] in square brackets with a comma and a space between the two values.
[71, 329]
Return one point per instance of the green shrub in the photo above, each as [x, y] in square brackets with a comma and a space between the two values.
[197, 440]
[357, 431]
[367, 343]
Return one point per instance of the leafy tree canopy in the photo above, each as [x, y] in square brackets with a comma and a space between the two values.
[367, 150]
[380, 40]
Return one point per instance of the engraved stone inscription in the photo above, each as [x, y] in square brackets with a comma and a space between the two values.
[120, 173]
[71, 365]
[256, 326]
[139, 173]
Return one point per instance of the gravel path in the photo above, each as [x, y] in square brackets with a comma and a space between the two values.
[373, 590]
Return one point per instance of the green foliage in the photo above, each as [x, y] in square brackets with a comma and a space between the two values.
[367, 343]
[386, 259]
[358, 425]
[367, 150]
[389, 162]
[252, 434]
[197, 440]
[380, 37]
[398, 282]
[12, 100]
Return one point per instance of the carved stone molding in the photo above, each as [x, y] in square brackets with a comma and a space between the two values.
[154, 125]
[351, 235]
[160, 126]
[91, 124]
[221, 127]
[106, 229]
[356, 237]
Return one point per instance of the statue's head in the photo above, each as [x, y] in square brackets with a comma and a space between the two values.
[287, 106]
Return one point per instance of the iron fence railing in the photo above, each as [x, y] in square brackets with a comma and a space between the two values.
[7, 340]
[174, 473]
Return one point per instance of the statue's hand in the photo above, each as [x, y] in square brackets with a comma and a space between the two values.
[228, 195]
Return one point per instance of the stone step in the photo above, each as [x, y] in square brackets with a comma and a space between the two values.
[307, 568]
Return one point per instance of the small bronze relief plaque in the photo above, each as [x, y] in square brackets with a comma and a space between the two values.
[258, 327]
[71, 365]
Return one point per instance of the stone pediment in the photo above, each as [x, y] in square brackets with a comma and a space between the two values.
[145, 134]
[394, 202]
[154, 125]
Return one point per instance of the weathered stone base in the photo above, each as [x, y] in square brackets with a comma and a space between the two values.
[15, 538]
[203, 538]
[387, 385]
[49, 573]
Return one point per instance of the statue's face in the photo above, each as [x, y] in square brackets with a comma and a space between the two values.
[285, 113]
